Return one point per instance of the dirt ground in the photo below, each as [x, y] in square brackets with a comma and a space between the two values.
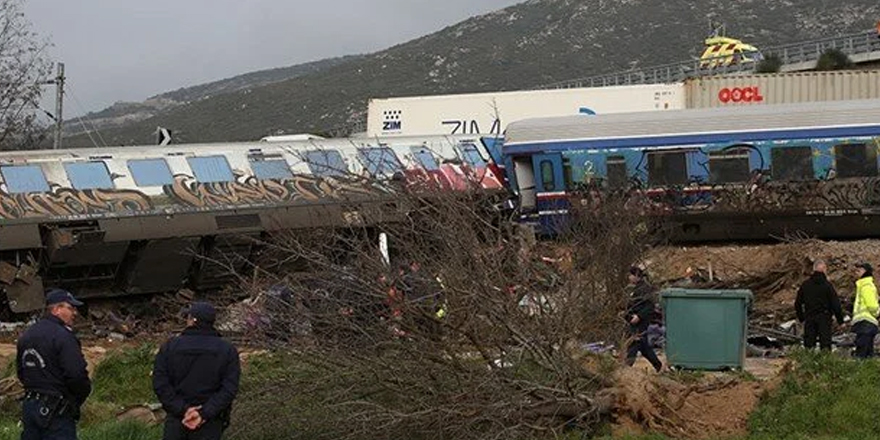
[692, 405]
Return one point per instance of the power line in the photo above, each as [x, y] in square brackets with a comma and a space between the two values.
[83, 121]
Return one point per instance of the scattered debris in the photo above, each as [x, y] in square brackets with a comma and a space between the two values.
[788, 325]
[10, 389]
[7, 327]
[7, 272]
[149, 414]
[598, 347]
[785, 337]
[186, 295]
[26, 273]
[657, 335]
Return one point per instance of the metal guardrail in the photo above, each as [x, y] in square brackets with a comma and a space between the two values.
[789, 54]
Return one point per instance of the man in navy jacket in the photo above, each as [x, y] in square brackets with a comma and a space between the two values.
[196, 377]
[639, 309]
[50, 365]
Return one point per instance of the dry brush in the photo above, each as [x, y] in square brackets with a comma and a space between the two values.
[469, 328]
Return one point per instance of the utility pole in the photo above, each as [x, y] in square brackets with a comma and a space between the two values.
[59, 99]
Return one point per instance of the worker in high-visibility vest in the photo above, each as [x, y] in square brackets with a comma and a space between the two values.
[865, 311]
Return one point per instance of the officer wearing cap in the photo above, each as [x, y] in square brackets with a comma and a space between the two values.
[51, 367]
[196, 378]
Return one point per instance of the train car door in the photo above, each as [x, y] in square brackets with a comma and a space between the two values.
[548, 172]
[525, 182]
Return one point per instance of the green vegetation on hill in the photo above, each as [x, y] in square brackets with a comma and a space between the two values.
[125, 112]
[534, 43]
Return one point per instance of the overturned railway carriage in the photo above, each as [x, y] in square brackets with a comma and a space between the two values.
[709, 174]
[116, 221]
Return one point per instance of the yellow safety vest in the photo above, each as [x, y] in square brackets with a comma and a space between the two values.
[866, 307]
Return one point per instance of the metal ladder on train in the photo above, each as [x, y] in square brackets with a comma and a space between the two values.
[861, 47]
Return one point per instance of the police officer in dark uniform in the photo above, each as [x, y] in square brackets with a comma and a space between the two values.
[51, 367]
[196, 378]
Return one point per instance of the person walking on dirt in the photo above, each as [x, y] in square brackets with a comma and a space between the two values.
[865, 309]
[52, 369]
[816, 302]
[638, 316]
[196, 377]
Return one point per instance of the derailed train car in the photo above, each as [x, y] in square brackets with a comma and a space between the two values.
[709, 174]
[135, 220]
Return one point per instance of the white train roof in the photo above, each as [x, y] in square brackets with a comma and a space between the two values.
[343, 144]
[752, 118]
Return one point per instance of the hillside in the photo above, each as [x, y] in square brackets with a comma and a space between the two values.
[536, 42]
[127, 112]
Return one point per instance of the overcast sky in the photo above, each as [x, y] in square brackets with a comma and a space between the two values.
[128, 50]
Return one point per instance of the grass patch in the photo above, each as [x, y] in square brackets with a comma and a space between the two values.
[266, 409]
[824, 397]
[123, 377]
[104, 431]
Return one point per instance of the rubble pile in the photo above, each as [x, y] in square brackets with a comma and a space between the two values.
[772, 271]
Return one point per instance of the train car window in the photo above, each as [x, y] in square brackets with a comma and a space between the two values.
[548, 180]
[426, 160]
[615, 171]
[88, 175]
[667, 168]
[471, 156]
[271, 169]
[729, 166]
[855, 160]
[792, 163]
[150, 172]
[326, 163]
[210, 169]
[379, 161]
[22, 179]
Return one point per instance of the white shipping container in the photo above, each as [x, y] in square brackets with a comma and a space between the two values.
[489, 113]
[782, 88]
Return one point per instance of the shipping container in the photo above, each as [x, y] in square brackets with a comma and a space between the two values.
[782, 88]
[489, 113]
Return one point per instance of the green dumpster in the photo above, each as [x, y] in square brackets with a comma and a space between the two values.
[706, 329]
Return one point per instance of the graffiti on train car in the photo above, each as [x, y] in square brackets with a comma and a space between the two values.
[69, 202]
[249, 190]
[758, 197]
[810, 181]
[814, 196]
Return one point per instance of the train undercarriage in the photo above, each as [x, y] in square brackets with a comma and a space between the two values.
[137, 255]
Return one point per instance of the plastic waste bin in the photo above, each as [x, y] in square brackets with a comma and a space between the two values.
[706, 329]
